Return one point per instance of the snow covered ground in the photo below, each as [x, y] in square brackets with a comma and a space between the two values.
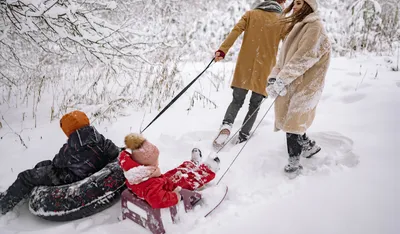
[349, 187]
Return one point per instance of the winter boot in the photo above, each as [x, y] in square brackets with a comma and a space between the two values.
[16, 193]
[213, 164]
[310, 148]
[294, 166]
[240, 138]
[223, 136]
[196, 156]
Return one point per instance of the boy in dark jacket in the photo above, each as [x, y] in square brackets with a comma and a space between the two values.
[85, 153]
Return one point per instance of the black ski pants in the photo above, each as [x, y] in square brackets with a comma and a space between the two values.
[239, 95]
[43, 174]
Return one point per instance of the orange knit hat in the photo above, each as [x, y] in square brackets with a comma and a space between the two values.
[73, 121]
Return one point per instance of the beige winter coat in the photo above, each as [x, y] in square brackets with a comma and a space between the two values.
[302, 65]
[257, 55]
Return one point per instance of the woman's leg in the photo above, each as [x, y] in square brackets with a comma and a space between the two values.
[294, 148]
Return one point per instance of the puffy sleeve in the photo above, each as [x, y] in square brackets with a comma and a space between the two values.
[159, 197]
[61, 159]
[111, 150]
[275, 71]
[312, 46]
[126, 162]
[235, 33]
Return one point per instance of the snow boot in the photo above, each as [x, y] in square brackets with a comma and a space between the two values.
[16, 193]
[310, 148]
[224, 133]
[213, 164]
[293, 167]
[240, 138]
[196, 156]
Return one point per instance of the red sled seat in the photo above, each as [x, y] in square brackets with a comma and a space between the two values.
[140, 212]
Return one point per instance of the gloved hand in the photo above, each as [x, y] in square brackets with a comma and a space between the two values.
[276, 87]
[219, 55]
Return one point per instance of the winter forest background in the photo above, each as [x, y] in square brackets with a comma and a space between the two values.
[74, 49]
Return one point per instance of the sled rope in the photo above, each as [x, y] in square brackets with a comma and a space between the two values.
[223, 175]
[177, 96]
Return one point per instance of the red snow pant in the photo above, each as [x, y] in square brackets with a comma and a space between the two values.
[190, 176]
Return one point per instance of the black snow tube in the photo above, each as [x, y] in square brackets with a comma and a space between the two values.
[80, 199]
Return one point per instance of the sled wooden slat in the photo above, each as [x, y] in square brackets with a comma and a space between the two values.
[140, 212]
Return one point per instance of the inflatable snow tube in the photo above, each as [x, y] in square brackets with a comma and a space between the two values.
[80, 199]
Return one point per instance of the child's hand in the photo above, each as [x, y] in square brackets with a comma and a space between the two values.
[177, 191]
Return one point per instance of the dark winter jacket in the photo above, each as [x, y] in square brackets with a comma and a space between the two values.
[85, 153]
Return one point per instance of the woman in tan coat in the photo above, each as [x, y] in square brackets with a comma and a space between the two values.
[298, 78]
[256, 59]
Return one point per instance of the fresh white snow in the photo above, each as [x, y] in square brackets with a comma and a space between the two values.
[350, 187]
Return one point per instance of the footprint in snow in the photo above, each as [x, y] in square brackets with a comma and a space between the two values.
[199, 136]
[347, 88]
[353, 74]
[352, 98]
[336, 152]
[364, 85]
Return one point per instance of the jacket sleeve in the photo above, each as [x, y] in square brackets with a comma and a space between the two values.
[126, 162]
[275, 71]
[110, 150]
[312, 46]
[235, 33]
[158, 197]
[61, 159]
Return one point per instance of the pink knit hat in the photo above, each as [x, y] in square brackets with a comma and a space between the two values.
[147, 154]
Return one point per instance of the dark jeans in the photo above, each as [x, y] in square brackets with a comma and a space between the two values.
[43, 174]
[239, 95]
[296, 143]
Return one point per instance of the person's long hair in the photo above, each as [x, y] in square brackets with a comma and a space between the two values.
[290, 21]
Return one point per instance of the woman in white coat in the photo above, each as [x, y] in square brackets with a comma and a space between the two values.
[298, 78]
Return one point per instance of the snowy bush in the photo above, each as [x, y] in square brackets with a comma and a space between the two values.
[107, 56]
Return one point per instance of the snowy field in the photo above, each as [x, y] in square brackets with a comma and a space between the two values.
[350, 187]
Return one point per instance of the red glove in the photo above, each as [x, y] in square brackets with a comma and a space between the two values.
[219, 55]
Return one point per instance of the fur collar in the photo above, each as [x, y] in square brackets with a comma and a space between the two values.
[311, 17]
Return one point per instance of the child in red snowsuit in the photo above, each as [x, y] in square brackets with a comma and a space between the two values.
[143, 176]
